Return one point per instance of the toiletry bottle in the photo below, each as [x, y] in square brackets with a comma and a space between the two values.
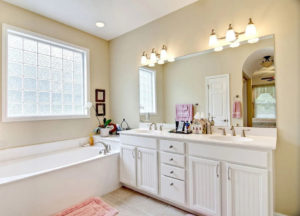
[91, 140]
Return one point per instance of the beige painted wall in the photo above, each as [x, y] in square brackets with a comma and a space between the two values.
[24, 133]
[186, 31]
[185, 79]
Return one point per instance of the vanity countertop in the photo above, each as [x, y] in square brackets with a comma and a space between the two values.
[250, 142]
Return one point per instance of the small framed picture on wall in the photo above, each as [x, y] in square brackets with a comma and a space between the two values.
[100, 95]
[100, 109]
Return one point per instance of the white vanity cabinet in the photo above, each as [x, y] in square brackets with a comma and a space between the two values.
[247, 190]
[147, 170]
[212, 179]
[128, 165]
[205, 186]
[138, 163]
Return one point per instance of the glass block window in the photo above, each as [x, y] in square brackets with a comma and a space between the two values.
[147, 91]
[264, 102]
[43, 77]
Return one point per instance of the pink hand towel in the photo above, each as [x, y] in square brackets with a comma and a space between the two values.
[92, 207]
[184, 112]
[237, 109]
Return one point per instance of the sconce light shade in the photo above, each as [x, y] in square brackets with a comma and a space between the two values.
[250, 29]
[144, 59]
[230, 34]
[153, 57]
[213, 40]
[163, 53]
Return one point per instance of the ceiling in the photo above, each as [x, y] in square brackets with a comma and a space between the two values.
[119, 16]
[253, 62]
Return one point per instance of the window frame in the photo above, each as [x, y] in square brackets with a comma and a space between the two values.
[5, 30]
[154, 93]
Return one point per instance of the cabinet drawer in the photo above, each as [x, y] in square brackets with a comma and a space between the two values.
[144, 142]
[172, 171]
[172, 159]
[173, 189]
[171, 146]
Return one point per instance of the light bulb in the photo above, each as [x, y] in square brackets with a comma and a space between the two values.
[253, 40]
[144, 59]
[230, 34]
[218, 49]
[160, 61]
[234, 44]
[163, 53]
[153, 57]
[250, 29]
[213, 40]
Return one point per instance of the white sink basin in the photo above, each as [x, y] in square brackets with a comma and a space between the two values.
[231, 138]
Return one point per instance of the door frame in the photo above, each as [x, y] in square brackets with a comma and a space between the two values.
[228, 94]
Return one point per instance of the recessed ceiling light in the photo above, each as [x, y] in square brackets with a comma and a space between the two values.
[100, 24]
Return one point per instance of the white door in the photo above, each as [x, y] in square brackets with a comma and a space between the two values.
[147, 178]
[247, 191]
[205, 189]
[217, 99]
[128, 165]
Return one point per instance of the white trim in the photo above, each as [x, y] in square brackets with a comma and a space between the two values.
[46, 39]
[228, 95]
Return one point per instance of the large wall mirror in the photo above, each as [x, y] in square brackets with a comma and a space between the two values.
[235, 86]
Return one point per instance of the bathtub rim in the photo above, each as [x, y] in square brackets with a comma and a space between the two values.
[33, 174]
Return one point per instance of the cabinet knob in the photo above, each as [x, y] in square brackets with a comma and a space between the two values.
[171, 184]
[171, 159]
[172, 172]
[170, 146]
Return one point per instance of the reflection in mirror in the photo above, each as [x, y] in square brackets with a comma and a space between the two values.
[259, 96]
[234, 87]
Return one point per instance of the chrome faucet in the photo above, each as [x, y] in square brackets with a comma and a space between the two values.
[233, 131]
[106, 149]
[155, 126]
[243, 132]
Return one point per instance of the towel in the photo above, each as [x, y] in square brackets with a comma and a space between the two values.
[237, 109]
[184, 112]
[91, 207]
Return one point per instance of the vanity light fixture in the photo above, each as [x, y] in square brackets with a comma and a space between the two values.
[232, 37]
[159, 58]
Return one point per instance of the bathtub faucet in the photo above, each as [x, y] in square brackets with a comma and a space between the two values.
[106, 149]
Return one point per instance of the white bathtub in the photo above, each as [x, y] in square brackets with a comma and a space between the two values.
[43, 179]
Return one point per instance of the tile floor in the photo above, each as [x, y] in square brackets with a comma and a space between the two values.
[131, 203]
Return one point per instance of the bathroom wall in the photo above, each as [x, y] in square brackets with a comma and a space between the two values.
[186, 31]
[24, 133]
[185, 79]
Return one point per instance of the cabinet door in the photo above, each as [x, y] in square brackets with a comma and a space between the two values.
[205, 190]
[128, 165]
[247, 191]
[147, 170]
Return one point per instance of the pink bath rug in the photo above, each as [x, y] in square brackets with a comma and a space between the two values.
[91, 207]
